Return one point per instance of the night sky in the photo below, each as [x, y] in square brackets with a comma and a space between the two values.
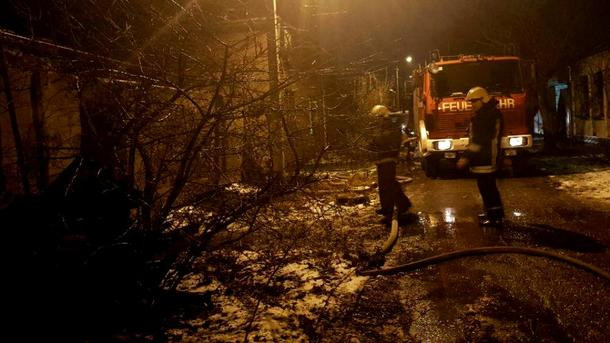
[389, 30]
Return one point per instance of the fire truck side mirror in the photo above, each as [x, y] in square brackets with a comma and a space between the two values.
[435, 55]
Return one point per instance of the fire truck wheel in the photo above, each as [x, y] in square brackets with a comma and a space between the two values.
[520, 166]
[430, 166]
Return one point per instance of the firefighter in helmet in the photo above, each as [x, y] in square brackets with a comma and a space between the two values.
[483, 152]
[385, 144]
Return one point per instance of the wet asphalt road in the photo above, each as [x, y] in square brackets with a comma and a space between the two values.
[504, 298]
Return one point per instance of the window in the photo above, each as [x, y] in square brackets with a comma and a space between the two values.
[583, 97]
[597, 96]
[495, 76]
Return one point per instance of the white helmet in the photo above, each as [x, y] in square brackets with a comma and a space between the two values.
[476, 93]
[380, 111]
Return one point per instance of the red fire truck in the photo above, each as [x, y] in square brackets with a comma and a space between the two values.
[441, 114]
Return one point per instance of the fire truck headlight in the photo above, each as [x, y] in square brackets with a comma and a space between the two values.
[517, 141]
[443, 145]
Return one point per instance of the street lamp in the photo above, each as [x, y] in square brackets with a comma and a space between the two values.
[409, 59]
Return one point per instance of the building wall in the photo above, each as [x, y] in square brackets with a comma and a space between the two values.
[249, 78]
[589, 83]
[61, 108]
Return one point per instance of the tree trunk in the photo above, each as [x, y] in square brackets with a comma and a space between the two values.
[42, 156]
[2, 173]
[98, 120]
[14, 124]
[150, 188]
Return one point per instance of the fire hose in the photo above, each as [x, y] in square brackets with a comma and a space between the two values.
[476, 252]
[389, 243]
[378, 258]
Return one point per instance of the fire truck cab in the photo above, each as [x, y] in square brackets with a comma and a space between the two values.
[441, 115]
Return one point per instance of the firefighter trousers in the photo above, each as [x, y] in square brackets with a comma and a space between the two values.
[390, 192]
[490, 194]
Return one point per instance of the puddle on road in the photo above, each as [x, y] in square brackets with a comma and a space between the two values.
[461, 231]
[458, 230]
[546, 235]
[464, 300]
[596, 219]
[486, 311]
[471, 299]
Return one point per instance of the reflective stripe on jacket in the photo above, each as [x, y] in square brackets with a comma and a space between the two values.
[485, 133]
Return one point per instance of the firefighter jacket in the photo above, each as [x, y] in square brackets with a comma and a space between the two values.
[385, 140]
[485, 138]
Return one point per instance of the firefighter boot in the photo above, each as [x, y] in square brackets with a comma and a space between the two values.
[493, 222]
[383, 212]
[386, 220]
[406, 217]
[493, 217]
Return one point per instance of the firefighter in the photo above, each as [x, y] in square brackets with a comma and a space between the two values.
[385, 144]
[482, 154]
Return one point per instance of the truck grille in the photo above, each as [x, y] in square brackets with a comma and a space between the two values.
[453, 121]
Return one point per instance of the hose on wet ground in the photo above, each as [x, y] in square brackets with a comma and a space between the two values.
[480, 251]
[392, 238]
[378, 258]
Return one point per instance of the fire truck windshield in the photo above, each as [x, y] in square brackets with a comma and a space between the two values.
[495, 76]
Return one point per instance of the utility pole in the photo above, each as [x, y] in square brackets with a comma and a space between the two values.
[397, 90]
[277, 33]
[273, 122]
[324, 115]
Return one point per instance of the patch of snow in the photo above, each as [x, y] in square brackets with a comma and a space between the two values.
[237, 227]
[360, 188]
[225, 325]
[242, 189]
[248, 256]
[308, 305]
[353, 284]
[193, 283]
[181, 217]
[593, 185]
[276, 322]
[309, 277]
